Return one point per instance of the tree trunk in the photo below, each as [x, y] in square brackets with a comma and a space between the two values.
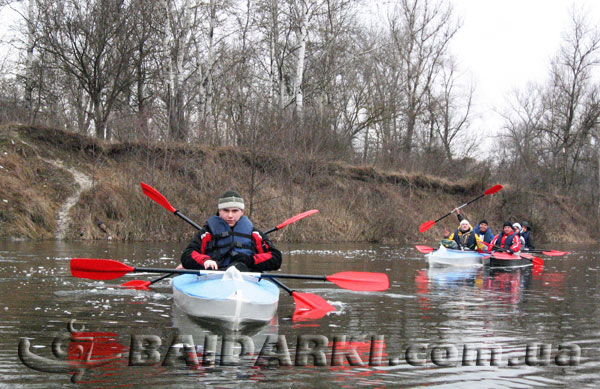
[99, 122]
[29, 61]
[302, 35]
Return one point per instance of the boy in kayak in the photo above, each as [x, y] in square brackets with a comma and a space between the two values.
[229, 239]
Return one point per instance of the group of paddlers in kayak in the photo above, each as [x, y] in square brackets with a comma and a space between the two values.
[513, 238]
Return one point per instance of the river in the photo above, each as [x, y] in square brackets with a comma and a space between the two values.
[433, 327]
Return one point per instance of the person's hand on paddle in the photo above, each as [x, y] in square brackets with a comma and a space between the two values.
[457, 211]
[210, 264]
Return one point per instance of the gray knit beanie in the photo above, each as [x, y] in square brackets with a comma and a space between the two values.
[231, 199]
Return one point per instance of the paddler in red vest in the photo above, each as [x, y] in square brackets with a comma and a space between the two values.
[230, 239]
[508, 239]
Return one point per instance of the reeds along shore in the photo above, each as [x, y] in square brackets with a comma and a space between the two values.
[356, 203]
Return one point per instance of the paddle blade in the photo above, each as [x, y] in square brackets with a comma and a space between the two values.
[137, 284]
[360, 281]
[554, 253]
[535, 260]
[424, 249]
[308, 314]
[427, 225]
[98, 269]
[297, 217]
[310, 307]
[157, 197]
[493, 189]
[309, 301]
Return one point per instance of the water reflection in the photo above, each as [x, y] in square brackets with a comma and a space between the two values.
[452, 277]
[199, 328]
[507, 285]
[510, 284]
[423, 309]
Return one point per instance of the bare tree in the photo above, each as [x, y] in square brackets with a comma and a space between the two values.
[521, 137]
[450, 114]
[181, 19]
[421, 31]
[31, 22]
[551, 125]
[572, 105]
[275, 28]
[303, 12]
[92, 42]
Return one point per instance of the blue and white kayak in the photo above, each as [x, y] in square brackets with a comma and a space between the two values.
[230, 296]
[449, 257]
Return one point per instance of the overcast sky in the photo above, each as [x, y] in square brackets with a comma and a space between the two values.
[504, 44]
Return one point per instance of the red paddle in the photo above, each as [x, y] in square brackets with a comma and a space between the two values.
[308, 306]
[428, 224]
[359, 281]
[293, 219]
[425, 249]
[550, 253]
[159, 198]
[108, 269]
[535, 260]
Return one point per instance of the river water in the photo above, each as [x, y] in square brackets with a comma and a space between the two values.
[433, 327]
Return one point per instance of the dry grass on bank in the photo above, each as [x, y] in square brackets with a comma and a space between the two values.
[30, 192]
[356, 203]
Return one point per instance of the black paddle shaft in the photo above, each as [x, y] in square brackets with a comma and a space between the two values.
[200, 272]
[464, 205]
[282, 286]
[191, 222]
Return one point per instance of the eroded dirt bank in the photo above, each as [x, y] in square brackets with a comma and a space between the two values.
[57, 184]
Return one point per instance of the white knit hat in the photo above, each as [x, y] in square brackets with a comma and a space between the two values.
[465, 221]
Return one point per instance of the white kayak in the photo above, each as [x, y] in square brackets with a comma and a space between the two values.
[233, 297]
[448, 257]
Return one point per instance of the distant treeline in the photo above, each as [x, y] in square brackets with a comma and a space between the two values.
[314, 79]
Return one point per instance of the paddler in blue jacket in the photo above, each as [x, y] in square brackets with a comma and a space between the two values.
[527, 235]
[229, 239]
